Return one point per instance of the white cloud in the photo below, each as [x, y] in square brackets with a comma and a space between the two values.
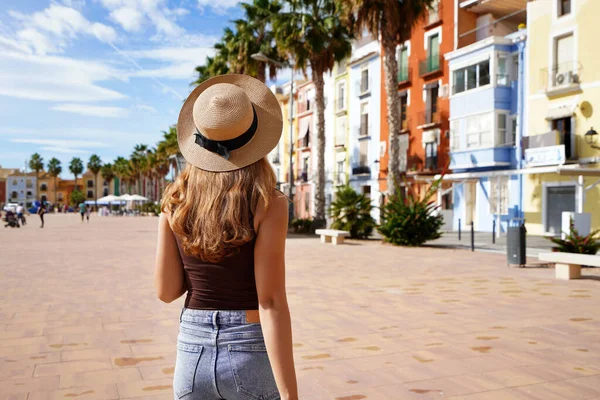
[133, 14]
[56, 78]
[62, 143]
[219, 7]
[92, 111]
[65, 150]
[147, 108]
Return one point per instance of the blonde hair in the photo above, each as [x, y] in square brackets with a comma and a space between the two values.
[212, 212]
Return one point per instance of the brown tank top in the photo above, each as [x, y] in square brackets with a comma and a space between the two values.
[227, 285]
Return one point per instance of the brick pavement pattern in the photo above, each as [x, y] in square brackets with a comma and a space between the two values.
[79, 320]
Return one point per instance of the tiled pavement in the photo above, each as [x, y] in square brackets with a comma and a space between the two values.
[79, 320]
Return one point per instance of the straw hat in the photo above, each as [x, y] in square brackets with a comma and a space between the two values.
[229, 122]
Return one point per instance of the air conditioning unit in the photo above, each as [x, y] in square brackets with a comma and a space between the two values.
[444, 91]
[566, 78]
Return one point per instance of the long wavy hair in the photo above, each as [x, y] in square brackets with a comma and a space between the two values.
[211, 213]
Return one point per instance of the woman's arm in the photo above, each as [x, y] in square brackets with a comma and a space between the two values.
[269, 267]
[168, 273]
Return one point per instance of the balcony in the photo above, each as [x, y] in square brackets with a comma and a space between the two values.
[404, 74]
[430, 65]
[482, 158]
[551, 148]
[434, 15]
[305, 106]
[429, 118]
[431, 163]
[562, 79]
[361, 170]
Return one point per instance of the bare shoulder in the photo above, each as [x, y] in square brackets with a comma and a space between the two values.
[277, 209]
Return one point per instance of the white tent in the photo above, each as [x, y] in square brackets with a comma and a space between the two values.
[110, 199]
[137, 197]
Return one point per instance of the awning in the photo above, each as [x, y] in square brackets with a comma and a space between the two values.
[304, 128]
[430, 136]
[560, 112]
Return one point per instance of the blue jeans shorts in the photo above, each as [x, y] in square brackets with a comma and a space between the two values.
[220, 356]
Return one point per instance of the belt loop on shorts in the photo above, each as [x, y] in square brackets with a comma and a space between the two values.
[181, 315]
[214, 319]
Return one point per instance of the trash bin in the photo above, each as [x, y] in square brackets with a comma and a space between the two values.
[516, 245]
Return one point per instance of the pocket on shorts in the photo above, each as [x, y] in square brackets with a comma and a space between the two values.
[186, 365]
[252, 371]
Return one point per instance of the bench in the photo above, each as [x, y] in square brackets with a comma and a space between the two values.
[332, 236]
[568, 265]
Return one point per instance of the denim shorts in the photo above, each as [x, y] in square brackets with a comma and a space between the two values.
[220, 356]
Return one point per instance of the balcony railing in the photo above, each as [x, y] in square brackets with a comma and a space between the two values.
[429, 117]
[361, 170]
[404, 74]
[431, 163]
[553, 138]
[561, 76]
[430, 65]
[434, 14]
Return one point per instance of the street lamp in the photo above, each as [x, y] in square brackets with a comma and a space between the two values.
[591, 137]
[263, 58]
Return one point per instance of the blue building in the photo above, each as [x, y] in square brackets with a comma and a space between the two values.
[487, 112]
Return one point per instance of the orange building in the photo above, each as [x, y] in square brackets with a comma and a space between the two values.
[423, 77]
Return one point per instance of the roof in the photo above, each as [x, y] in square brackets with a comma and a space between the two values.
[6, 172]
[363, 58]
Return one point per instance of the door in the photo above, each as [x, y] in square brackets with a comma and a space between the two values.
[558, 200]
[433, 53]
[470, 202]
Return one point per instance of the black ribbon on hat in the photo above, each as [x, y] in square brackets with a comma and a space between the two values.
[224, 147]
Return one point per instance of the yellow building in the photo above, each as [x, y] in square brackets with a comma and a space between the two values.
[562, 150]
[341, 124]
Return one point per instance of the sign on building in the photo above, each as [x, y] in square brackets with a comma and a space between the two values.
[550, 155]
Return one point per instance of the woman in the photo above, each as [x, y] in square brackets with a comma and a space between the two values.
[41, 211]
[222, 241]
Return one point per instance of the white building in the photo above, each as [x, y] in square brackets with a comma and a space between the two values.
[21, 188]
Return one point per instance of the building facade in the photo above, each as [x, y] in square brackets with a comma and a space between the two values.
[562, 150]
[487, 111]
[304, 144]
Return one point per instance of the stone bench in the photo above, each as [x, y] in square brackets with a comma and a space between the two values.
[568, 265]
[332, 236]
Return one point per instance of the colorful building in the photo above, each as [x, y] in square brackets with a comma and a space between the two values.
[562, 149]
[487, 111]
[4, 174]
[305, 160]
[423, 90]
[21, 188]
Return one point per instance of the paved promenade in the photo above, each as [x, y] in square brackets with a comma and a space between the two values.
[79, 320]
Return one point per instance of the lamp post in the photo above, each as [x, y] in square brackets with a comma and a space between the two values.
[591, 137]
[263, 58]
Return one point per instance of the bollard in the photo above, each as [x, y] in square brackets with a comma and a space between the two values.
[494, 232]
[472, 236]
[459, 229]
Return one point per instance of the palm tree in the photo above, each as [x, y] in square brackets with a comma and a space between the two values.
[94, 165]
[392, 21]
[315, 34]
[121, 166]
[138, 161]
[76, 168]
[107, 173]
[219, 64]
[254, 34]
[36, 163]
[168, 147]
[54, 169]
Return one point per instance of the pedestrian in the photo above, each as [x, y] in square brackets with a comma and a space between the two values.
[41, 211]
[221, 242]
[82, 210]
[87, 213]
[20, 214]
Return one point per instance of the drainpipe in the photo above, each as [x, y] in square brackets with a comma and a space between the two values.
[580, 194]
[521, 119]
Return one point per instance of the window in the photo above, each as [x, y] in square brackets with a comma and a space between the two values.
[366, 190]
[43, 187]
[14, 182]
[364, 119]
[44, 199]
[479, 131]
[105, 192]
[364, 80]
[502, 138]
[29, 184]
[341, 96]
[403, 64]
[564, 58]
[106, 183]
[502, 78]
[563, 125]
[340, 131]
[403, 111]
[472, 77]
[29, 194]
[433, 53]
[455, 135]
[499, 193]
[90, 194]
[403, 143]
[431, 155]
[90, 183]
[513, 130]
[564, 7]
[363, 153]
[514, 71]
[340, 172]
[60, 196]
[431, 113]
[14, 195]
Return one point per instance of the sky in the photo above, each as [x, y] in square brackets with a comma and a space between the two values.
[83, 77]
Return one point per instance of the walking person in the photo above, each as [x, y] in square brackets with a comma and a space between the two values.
[82, 210]
[221, 242]
[41, 211]
[88, 211]
[21, 214]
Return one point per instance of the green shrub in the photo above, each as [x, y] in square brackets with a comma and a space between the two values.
[150, 208]
[576, 243]
[302, 225]
[411, 221]
[77, 197]
[352, 212]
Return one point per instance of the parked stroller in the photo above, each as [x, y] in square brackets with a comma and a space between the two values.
[11, 220]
